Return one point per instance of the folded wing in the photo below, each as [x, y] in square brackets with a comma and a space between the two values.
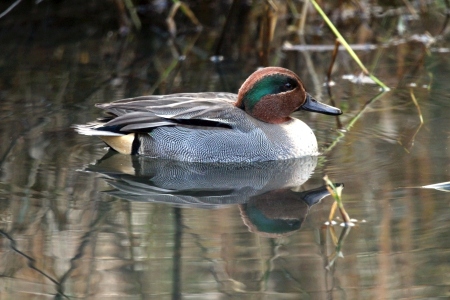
[203, 110]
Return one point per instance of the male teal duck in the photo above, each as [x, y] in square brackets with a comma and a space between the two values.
[253, 125]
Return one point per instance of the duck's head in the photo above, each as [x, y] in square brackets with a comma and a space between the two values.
[272, 94]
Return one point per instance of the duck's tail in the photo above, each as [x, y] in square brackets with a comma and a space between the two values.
[95, 128]
[125, 143]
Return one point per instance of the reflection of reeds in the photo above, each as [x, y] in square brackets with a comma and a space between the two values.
[268, 24]
[350, 124]
[133, 14]
[338, 243]
[410, 142]
[31, 261]
[179, 5]
[347, 46]
[176, 62]
[336, 192]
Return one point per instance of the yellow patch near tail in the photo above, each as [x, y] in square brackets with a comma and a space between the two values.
[122, 144]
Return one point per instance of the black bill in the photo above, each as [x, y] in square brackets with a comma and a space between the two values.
[312, 104]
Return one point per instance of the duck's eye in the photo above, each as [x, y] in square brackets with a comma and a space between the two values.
[288, 86]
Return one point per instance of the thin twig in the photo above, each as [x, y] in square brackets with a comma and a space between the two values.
[9, 8]
[333, 59]
[226, 27]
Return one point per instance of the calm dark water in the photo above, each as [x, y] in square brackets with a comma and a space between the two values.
[79, 222]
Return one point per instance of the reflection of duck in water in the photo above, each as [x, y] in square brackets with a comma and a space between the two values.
[280, 212]
[141, 178]
[253, 125]
[262, 188]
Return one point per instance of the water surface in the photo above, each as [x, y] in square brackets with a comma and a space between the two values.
[75, 224]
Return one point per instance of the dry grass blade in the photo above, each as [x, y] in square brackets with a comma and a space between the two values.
[186, 10]
[332, 212]
[413, 97]
[336, 193]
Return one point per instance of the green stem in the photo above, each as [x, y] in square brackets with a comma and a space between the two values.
[347, 46]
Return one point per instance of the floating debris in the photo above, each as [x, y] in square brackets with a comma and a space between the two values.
[443, 186]
[360, 79]
[349, 224]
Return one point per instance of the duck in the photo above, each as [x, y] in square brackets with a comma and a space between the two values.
[253, 125]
